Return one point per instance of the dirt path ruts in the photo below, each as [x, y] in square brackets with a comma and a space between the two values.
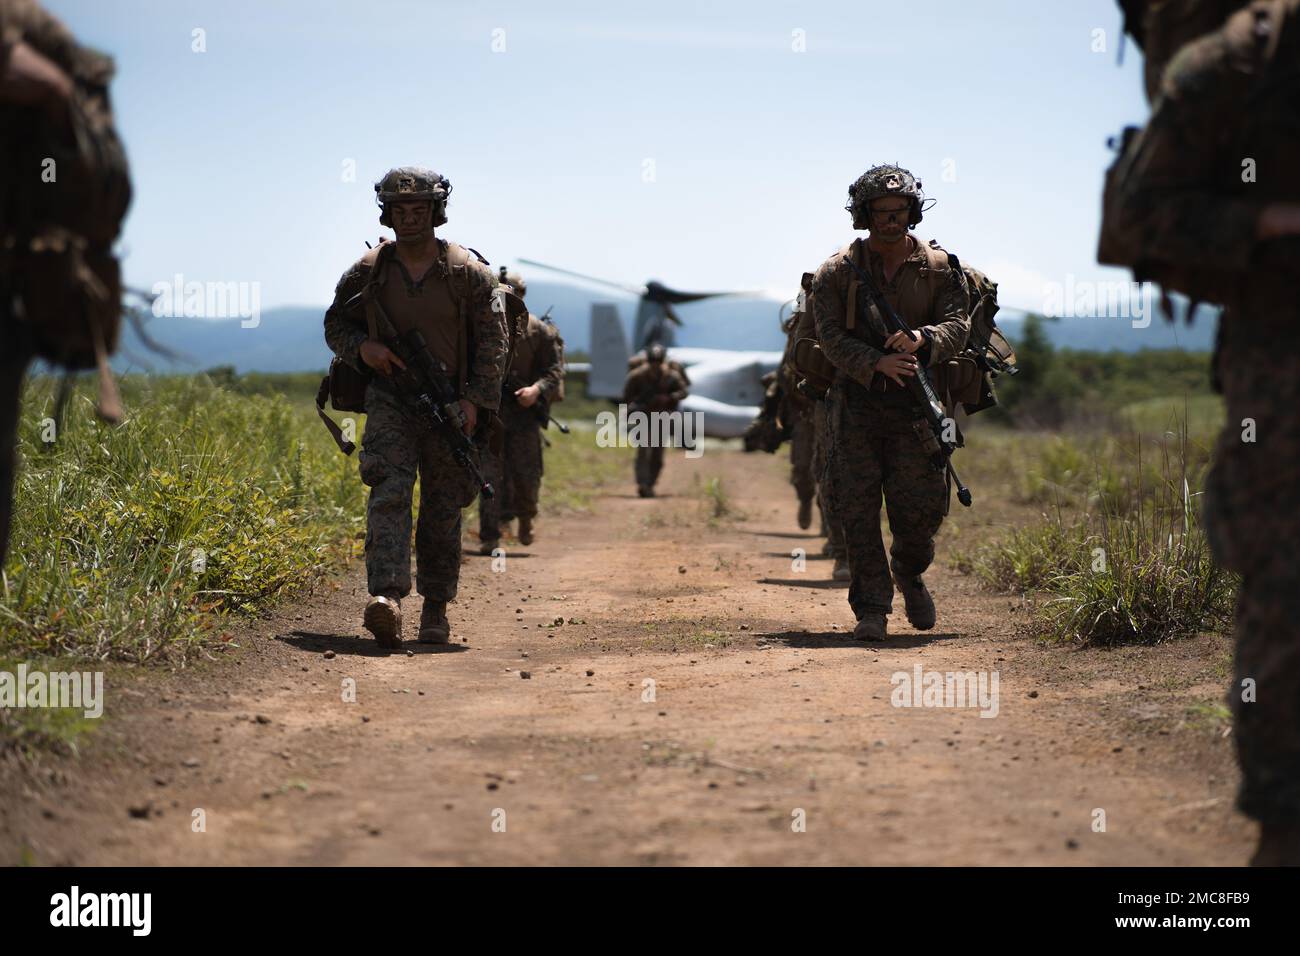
[452, 758]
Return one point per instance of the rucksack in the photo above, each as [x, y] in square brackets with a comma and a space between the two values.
[987, 349]
[61, 212]
[345, 387]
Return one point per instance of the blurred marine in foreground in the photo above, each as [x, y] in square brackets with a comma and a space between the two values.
[64, 190]
[1205, 200]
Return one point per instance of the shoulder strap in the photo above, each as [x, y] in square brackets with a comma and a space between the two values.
[378, 257]
[854, 251]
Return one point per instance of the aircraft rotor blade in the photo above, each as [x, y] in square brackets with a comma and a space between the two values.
[633, 290]
[659, 292]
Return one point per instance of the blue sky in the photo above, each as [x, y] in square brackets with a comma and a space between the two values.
[1002, 108]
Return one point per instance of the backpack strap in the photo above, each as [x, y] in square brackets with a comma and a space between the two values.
[378, 257]
[854, 250]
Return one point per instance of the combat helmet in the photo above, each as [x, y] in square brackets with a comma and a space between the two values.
[514, 280]
[879, 182]
[413, 184]
[656, 353]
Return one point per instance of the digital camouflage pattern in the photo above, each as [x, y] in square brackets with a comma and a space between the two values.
[821, 446]
[801, 456]
[872, 449]
[394, 450]
[517, 472]
[480, 382]
[926, 292]
[1231, 95]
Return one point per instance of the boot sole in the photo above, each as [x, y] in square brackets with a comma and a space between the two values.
[380, 621]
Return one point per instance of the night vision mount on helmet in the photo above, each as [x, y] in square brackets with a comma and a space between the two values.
[413, 184]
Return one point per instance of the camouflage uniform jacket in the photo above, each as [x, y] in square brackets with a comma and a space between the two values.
[539, 359]
[488, 335]
[926, 292]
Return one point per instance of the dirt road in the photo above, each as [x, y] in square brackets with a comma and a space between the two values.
[701, 704]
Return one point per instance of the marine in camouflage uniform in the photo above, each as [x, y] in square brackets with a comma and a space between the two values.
[652, 386]
[452, 303]
[872, 446]
[535, 376]
[834, 546]
[797, 412]
[807, 449]
[1182, 211]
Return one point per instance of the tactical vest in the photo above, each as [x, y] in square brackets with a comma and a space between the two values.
[965, 379]
[344, 387]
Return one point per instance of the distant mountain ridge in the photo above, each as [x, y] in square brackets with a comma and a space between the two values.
[291, 339]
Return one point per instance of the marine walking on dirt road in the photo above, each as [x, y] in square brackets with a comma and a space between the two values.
[533, 383]
[653, 386]
[873, 425]
[402, 309]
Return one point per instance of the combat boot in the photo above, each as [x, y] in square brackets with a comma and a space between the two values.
[383, 618]
[645, 491]
[434, 628]
[917, 602]
[488, 545]
[525, 530]
[841, 570]
[805, 514]
[871, 627]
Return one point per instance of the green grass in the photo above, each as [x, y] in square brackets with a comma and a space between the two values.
[130, 542]
[1119, 556]
[217, 495]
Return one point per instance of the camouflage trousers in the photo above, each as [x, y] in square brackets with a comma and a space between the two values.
[516, 474]
[394, 449]
[1252, 522]
[821, 439]
[873, 451]
[801, 457]
[649, 462]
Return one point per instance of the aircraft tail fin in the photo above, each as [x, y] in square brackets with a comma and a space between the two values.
[609, 352]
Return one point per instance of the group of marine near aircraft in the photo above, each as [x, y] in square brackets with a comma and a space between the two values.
[726, 384]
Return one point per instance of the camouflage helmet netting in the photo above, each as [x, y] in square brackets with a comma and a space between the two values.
[877, 183]
[413, 184]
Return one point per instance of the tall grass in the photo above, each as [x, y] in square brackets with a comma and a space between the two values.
[131, 541]
[217, 495]
[1121, 556]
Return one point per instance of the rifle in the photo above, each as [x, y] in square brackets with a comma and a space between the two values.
[932, 425]
[425, 382]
